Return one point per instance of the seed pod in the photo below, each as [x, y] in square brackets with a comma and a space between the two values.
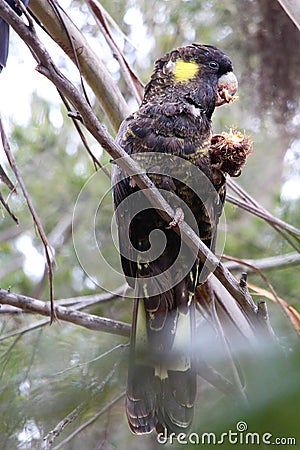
[228, 151]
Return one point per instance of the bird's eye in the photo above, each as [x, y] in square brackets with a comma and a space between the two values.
[213, 65]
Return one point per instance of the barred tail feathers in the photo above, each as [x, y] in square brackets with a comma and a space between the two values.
[161, 385]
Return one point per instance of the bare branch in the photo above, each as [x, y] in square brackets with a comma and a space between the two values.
[81, 302]
[272, 262]
[35, 217]
[5, 179]
[89, 321]
[251, 205]
[6, 206]
[248, 203]
[90, 421]
[130, 77]
[292, 8]
[216, 379]
[53, 434]
[93, 70]
[90, 300]
[235, 375]
[26, 329]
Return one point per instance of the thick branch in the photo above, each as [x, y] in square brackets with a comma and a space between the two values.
[89, 321]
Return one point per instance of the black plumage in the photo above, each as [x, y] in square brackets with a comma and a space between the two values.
[170, 137]
[4, 33]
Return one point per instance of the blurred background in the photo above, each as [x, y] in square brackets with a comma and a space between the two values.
[49, 372]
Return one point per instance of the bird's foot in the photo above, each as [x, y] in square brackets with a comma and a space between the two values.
[177, 220]
[132, 183]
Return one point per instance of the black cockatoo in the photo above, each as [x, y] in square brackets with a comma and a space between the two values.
[170, 136]
[4, 33]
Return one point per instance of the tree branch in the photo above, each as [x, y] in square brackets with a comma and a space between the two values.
[272, 262]
[131, 79]
[89, 321]
[292, 8]
[251, 205]
[95, 73]
[84, 425]
[34, 215]
[81, 302]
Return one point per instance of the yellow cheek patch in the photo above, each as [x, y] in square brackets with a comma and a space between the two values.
[185, 70]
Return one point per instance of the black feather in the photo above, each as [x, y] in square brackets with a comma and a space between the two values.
[4, 33]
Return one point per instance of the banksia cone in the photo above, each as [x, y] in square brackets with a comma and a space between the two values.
[228, 151]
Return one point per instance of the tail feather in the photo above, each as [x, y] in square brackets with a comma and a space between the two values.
[4, 43]
[178, 395]
[140, 401]
[161, 385]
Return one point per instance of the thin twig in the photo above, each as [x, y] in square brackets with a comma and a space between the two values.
[36, 219]
[3, 359]
[280, 228]
[274, 221]
[81, 302]
[251, 205]
[53, 434]
[90, 300]
[276, 299]
[84, 364]
[90, 421]
[269, 263]
[96, 162]
[94, 71]
[59, 11]
[20, 331]
[130, 77]
[117, 29]
[229, 358]
[5, 179]
[213, 377]
[8, 210]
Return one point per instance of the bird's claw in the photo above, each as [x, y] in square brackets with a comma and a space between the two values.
[177, 220]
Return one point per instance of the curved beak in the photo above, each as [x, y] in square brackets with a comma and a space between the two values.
[226, 89]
